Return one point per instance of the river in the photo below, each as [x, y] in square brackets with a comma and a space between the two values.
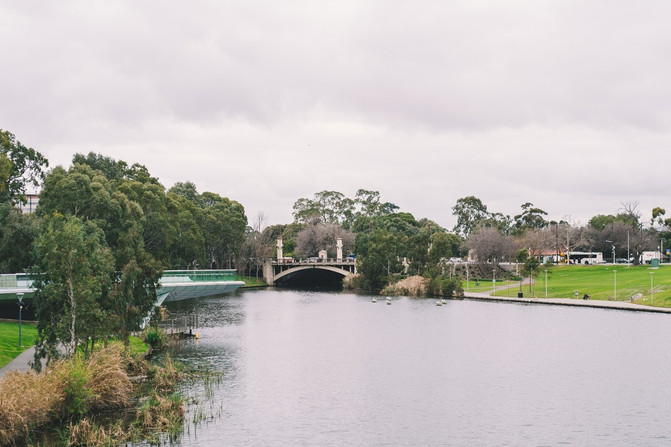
[335, 369]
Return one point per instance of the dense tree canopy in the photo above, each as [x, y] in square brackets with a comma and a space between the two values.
[20, 166]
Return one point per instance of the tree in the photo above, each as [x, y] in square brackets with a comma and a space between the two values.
[530, 269]
[470, 213]
[316, 237]
[74, 271]
[19, 166]
[380, 259]
[116, 207]
[18, 231]
[530, 217]
[657, 214]
[490, 245]
[334, 207]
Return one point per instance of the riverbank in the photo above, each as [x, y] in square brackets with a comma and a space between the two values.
[69, 395]
[618, 305]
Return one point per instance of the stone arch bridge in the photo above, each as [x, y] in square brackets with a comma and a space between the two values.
[312, 272]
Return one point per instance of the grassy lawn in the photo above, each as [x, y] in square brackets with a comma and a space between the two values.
[251, 281]
[9, 340]
[486, 285]
[602, 282]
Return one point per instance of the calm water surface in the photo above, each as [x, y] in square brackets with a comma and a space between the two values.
[315, 369]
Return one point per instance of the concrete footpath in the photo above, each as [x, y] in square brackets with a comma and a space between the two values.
[20, 363]
[577, 302]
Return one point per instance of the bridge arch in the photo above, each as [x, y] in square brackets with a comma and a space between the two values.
[302, 274]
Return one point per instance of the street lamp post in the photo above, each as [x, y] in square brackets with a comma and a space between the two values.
[20, 304]
[615, 285]
[652, 296]
[546, 284]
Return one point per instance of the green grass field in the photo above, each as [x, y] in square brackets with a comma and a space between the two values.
[604, 282]
[9, 340]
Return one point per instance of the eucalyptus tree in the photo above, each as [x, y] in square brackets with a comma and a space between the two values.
[470, 213]
[75, 270]
[335, 207]
[17, 234]
[20, 166]
[380, 258]
[531, 217]
[116, 208]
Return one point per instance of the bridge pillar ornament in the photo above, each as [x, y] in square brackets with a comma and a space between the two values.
[280, 254]
[339, 246]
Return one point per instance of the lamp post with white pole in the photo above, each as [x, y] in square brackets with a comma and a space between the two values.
[652, 296]
[615, 285]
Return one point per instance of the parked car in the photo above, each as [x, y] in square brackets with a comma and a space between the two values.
[621, 261]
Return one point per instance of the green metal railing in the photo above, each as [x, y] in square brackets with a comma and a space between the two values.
[173, 276]
[25, 280]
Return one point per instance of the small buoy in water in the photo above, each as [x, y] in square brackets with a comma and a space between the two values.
[196, 335]
[388, 300]
[373, 300]
[438, 303]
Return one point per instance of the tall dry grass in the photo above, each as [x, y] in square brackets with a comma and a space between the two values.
[72, 387]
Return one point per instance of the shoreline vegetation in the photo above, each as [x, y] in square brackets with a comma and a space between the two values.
[81, 396]
[641, 284]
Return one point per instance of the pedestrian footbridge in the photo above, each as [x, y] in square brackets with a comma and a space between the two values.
[174, 285]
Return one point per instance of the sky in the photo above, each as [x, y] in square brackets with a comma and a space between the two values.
[562, 103]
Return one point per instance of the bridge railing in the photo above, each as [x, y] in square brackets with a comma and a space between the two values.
[313, 261]
[172, 276]
[16, 280]
[25, 280]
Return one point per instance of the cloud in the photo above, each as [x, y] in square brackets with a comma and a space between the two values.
[561, 103]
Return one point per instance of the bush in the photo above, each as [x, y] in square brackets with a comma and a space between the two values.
[156, 338]
[76, 380]
[433, 287]
[451, 287]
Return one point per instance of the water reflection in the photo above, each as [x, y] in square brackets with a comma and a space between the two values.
[309, 368]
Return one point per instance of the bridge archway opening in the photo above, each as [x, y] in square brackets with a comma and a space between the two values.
[311, 279]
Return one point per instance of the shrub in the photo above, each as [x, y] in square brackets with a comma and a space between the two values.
[451, 287]
[155, 337]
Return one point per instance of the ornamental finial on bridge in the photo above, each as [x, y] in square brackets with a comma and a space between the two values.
[280, 255]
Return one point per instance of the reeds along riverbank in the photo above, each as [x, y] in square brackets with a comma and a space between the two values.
[72, 390]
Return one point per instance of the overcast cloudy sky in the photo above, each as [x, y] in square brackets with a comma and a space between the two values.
[563, 103]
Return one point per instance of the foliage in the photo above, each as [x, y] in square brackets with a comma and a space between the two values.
[19, 166]
[155, 337]
[530, 217]
[75, 270]
[17, 234]
[470, 213]
[451, 287]
[67, 389]
[334, 207]
[317, 236]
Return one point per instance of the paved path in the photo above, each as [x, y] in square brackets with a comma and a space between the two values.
[20, 363]
[578, 302]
